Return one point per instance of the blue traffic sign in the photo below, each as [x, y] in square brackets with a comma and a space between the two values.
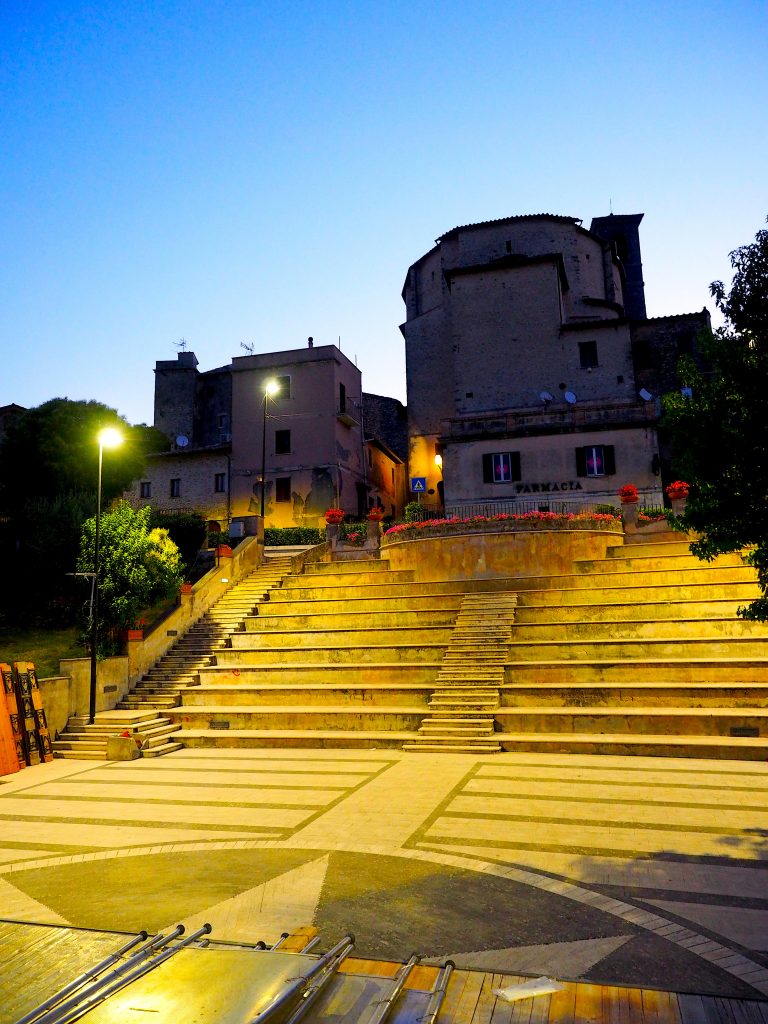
[418, 484]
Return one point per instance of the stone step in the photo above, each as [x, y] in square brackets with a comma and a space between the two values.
[337, 674]
[643, 561]
[80, 755]
[354, 620]
[308, 716]
[391, 635]
[629, 629]
[367, 653]
[451, 746]
[342, 568]
[165, 748]
[694, 693]
[669, 670]
[640, 594]
[647, 648]
[617, 611]
[710, 747]
[377, 590]
[300, 738]
[347, 606]
[285, 694]
[356, 575]
[635, 720]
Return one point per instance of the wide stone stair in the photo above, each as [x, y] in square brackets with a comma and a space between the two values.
[346, 655]
[462, 708]
[178, 669]
[144, 710]
[638, 653]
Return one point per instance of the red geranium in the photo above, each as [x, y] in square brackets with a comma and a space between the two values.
[628, 493]
[677, 489]
[334, 516]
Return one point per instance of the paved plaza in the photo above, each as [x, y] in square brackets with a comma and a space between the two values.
[635, 871]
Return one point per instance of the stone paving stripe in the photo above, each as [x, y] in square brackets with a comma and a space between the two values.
[727, 822]
[281, 779]
[149, 814]
[669, 796]
[579, 838]
[106, 835]
[231, 796]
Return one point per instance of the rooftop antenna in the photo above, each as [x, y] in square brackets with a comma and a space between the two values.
[181, 344]
[610, 206]
[250, 349]
[339, 343]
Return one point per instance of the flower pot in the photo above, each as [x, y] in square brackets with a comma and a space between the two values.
[186, 588]
[133, 634]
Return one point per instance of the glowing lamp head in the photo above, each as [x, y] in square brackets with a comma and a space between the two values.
[439, 461]
[109, 437]
[271, 387]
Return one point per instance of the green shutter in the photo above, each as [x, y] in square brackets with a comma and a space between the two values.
[609, 460]
[487, 469]
[581, 462]
[515, 460]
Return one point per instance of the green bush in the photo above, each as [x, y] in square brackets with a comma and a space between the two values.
[413, 512]
[277, 536]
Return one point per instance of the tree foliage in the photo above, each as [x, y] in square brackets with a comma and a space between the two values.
[720, 433]
[53, 449]
[138, 565]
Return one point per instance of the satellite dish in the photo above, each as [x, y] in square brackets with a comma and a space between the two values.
[645, 395]
[546, 397]
[686, 392]
[570, 398]
[182, 441]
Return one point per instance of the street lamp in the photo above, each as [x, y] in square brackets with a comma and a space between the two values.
[109, 437]
[271, 387]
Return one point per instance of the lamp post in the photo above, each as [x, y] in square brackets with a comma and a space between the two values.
[107, 438]
[271, 387]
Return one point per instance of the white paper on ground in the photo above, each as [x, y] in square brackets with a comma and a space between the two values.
[528, 989]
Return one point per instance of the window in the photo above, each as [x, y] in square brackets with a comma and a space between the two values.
[501, 467]
[282, 442]
[342, 398]
[146, 489]
[284, 383]
[587, 354]
[283, 488]
[220, 483]
[222, 420]
[596, 460]
[370, 459]
[176, 487]
[642, 355]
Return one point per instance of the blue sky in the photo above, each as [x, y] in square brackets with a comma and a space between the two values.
[259, 172]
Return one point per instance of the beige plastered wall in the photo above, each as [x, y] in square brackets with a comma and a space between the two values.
[466, 556]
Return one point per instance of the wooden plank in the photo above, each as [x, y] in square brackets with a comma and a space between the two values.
[616, 1008]
[456, 985]
[373, 968]
[298, 939]
[563, 1004]
[698, 1010]
[668, 1012]
[588, 1006]
[422, 978]
[465, 1011]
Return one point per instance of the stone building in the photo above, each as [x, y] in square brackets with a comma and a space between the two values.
[524, 342]
[309, 432]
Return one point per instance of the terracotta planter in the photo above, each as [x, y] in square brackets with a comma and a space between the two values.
[223, 551]
[186, 588]
[133, 634]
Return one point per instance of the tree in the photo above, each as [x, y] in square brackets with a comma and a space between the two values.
[720, 431]
[58, 439]
[137, 567]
